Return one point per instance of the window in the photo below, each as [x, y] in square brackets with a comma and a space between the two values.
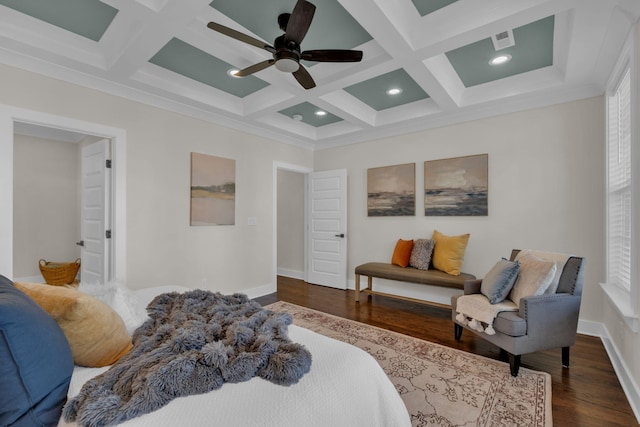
[619, 188]
[623, 188]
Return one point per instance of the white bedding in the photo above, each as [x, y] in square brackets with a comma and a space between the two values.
[345, 387]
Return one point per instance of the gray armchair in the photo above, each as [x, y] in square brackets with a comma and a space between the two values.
[542, 322]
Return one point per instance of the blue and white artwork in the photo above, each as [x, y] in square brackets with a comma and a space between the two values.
[457, 187]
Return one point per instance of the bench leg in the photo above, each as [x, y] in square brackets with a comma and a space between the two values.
[357, 288]
[370, 283]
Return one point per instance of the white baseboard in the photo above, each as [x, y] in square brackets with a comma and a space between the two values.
[630, 387]
[294, 274]
[260, 291]
[587, 327]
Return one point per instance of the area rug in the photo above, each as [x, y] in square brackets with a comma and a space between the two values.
[441, 386]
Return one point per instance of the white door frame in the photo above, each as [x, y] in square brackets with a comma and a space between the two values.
[292, 168]
[9, 115]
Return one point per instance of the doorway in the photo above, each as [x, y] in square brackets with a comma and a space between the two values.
[47, 201]
[291, 224]
[9, 116]
[323, 232]
[281, 230]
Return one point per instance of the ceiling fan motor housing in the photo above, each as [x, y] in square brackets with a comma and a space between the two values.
[287, 55]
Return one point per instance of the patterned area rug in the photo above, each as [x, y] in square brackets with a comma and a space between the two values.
[441, 386]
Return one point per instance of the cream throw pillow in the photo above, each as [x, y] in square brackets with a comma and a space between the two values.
[534, 277]
[96, 334]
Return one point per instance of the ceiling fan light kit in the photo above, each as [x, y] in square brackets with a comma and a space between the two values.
[286, 50]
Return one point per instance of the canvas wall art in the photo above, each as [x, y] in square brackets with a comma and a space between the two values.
[391, 190]
[213, 190]
[457, 187]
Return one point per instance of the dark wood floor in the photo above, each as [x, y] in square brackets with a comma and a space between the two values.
[586, 394]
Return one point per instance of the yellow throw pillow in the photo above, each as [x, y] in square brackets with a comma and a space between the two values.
[448, 252]
[96, 334]
[402, 252]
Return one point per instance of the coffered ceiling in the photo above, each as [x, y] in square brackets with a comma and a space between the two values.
[435, 52]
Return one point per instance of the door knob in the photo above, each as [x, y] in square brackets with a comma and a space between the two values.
[80, 243]
[340, 235]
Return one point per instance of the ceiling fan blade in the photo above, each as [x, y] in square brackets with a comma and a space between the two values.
[332, 55]
[299, 21]
[304, 78]
[240, 36]
[255, 68]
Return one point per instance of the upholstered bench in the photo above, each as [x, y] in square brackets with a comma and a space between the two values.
[387, 271]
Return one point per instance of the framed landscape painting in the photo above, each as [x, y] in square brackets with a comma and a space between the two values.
[457, 187]
[391, 190]
[213, 190]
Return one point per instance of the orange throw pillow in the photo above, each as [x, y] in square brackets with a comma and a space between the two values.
[402, 252]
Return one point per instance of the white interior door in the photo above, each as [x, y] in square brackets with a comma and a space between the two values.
[327, 241]
[96, 194]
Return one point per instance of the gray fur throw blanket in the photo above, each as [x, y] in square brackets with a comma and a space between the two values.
[192, 343]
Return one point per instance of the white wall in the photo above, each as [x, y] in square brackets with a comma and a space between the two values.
[45, 200]
[161, 246]
[546, 190]
[291, 223]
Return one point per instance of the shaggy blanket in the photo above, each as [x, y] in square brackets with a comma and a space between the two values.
[192, 343]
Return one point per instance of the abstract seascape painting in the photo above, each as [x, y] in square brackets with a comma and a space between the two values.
[391, 190]
[213, 190]
[457, 187]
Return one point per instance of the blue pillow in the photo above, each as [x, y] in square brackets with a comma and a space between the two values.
[497, 283]
[36, 362]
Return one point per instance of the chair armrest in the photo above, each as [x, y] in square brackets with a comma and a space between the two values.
[553, 318]
[472, 286]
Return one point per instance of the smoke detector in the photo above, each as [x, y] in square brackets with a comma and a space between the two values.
[503, 40]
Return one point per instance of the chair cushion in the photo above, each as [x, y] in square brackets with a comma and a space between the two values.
[402, 252]
[448, 252]
[510, 323]
[35, 361]
[96, 334]
[421, 254]
[497, 283]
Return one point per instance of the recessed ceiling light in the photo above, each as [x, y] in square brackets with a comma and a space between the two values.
[232, 72]
[321, 113]
[500, 59]
[394, 91]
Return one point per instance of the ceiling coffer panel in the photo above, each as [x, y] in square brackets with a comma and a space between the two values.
[86, 18]
[184, 59]
[532, 50]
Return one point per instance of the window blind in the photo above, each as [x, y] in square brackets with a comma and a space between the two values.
[619, 184]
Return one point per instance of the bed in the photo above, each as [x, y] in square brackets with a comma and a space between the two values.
[345, 386]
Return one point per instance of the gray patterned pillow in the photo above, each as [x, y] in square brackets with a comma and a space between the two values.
[421, 254]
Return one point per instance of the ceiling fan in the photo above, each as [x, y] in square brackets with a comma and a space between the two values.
[286, 48]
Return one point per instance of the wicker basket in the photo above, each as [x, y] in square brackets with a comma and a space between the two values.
[59, 273]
